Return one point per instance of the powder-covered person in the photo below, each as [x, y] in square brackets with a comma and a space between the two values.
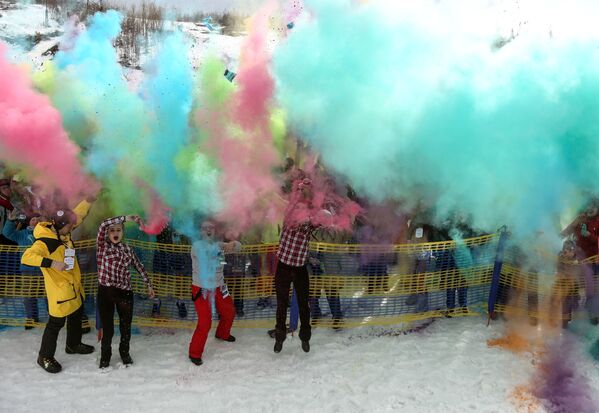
[114, 258]
[301, 220]
[207, 258]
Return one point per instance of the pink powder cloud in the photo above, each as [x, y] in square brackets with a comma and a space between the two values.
[248, 187]
[32, 136]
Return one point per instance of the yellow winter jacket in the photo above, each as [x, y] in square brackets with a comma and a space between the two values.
[63, 288]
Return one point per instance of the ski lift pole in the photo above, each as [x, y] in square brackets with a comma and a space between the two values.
[503, 234]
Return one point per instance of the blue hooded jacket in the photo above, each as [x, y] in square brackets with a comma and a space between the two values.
[24, 238]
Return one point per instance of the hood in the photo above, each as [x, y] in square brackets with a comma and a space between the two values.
[44, 230]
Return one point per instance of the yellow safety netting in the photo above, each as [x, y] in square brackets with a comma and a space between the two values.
[358, 284]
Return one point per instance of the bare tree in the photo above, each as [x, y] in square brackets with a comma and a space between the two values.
[138, 25]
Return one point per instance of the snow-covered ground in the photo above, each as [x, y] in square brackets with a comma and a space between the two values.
[447, 367]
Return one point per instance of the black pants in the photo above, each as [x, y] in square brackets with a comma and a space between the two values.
[53, 327]
[284, 276]
[108, 299]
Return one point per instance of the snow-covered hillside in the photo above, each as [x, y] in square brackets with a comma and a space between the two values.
[32, 39]
[27, 32]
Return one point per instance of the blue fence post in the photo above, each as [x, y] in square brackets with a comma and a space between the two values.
[497, 272]
[293, 312]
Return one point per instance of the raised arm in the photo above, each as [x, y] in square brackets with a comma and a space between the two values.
[103, 229]
[572, 227]
[81, 211]
[10, 231]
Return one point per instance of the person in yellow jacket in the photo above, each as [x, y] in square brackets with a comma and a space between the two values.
[54, 252]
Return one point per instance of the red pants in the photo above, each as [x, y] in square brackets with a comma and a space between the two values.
[226, 312]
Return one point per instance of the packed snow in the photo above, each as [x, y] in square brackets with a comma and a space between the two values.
[447, 367]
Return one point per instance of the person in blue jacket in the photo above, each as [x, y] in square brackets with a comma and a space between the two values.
[24, 238]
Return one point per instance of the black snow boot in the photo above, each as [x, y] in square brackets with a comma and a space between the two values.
[49, 364]
[230, 339]
[196, 360]
[104, 362]
[79, 349]
[105, 358]
[126, 358]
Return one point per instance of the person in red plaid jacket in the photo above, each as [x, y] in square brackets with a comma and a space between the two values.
[298, 226]
[114, 285]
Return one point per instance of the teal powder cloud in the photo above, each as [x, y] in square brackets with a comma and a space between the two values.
[113, 153]
[415, 106]
[169, 96]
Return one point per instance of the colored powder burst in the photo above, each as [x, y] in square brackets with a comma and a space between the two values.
[511, 342]
[594, 350]
[215, 89]
[158, 214]
[558, 384]
[292, 9]
[523, 398]
[137, 139]
[169, 96]
[587, 334]
[210, 258]
[278, 128]
[72, 29]
[115, 153]
[236, 127]
[31, 135]
[204, 178]
[419, 108]
[252, 99]
[93, 47]
[69, 96]
[463, 257]
[521, 337]
[328, 206]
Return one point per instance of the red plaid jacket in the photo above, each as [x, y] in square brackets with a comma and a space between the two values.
[114, 260]
[293, 245]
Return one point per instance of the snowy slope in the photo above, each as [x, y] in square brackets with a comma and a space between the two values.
[204, 43]
[446, 368]
[20, 22]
